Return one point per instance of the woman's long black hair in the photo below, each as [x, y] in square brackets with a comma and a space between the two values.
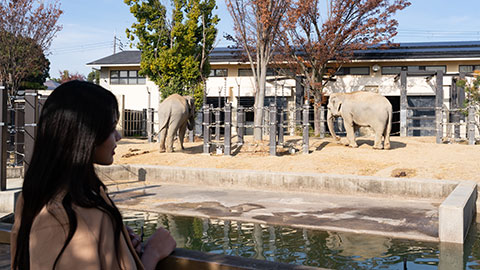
[75, 118]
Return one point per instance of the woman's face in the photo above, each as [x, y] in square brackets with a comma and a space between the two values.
[103, 153]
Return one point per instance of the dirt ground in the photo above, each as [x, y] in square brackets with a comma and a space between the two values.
[411, 157]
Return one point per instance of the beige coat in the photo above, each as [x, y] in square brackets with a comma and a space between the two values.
[92, 245]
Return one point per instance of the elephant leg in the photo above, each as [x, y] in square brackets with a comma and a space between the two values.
[378, 139]
[162, 136]
[181, 134]
[349, 128]
[386, 144]
[172, 131]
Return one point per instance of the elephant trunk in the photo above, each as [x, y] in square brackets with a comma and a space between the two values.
[330, 125]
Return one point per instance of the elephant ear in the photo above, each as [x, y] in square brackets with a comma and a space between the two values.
[191, 104]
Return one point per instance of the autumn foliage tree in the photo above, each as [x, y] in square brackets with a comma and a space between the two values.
[257, 24]
[27, 28]
[66, 76]
[321, 36]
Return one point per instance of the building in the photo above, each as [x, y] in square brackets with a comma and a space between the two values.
[375, 70]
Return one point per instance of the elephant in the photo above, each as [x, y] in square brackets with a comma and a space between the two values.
[175, 113]
[361, 109]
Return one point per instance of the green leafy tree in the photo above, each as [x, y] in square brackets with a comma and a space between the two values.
[94, 76]
[37, 77]
[472, 99]
[174, 52]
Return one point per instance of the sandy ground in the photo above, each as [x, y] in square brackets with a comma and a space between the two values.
[411, 157]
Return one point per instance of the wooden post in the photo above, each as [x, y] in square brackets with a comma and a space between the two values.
[306, 142]
[471, 125]
[322, 121]
[273, 129]
[31, 100]
[280, 126]
[439, 105]
[150, 124]
[241, 124]
[228, 130]
[460, 101]
[403, 103]
[19, 132]
[206, 129]
[3, 138]
[144, 122]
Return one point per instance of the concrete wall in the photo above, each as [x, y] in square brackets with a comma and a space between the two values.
[306, 182]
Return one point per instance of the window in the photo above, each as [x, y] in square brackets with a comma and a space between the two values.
[219, 72]
[245, 72]
[353, 71]
[126, 77]
[393, 70]
[471, 68]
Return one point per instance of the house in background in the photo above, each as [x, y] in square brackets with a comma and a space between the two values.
[375, 70]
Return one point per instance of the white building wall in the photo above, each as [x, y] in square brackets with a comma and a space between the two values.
[232, 86]
[137, 97]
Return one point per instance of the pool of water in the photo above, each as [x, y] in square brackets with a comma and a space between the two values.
[308, 247]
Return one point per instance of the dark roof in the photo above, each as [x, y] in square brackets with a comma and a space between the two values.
[454, 49]
[458, 49]
[125, 57]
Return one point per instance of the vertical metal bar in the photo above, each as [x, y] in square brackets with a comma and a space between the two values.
[241, 124]
[471, 125]
[31, 100]
[228, 129]
[439, 105]
[217, 123]
[280, 126]
[403, 103]
[206, 129]
[306, 142]
[273, 129]
[3, 138]
[322, 121]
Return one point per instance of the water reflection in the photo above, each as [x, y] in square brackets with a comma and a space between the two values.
[307, 247]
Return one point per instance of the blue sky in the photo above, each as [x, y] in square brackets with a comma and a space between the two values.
[89, 27]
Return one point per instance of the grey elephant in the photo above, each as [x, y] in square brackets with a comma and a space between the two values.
[361, 109]
[175, 113]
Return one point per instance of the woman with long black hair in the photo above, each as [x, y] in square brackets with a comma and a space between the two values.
[64, 219]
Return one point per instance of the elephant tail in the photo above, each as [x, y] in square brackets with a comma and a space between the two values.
[163, 122]
[388, 128]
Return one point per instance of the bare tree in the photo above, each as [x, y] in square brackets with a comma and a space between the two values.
[256, 25]
[321, 36]
[27, 28]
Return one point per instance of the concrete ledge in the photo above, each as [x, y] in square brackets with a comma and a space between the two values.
[457, 213]
[306, 182]
[8, 199]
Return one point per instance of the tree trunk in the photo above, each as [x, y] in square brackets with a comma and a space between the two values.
[316, 119]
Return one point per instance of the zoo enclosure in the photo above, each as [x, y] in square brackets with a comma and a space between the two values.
[411, 117]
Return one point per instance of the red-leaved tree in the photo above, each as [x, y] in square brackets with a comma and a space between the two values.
[320, 36]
